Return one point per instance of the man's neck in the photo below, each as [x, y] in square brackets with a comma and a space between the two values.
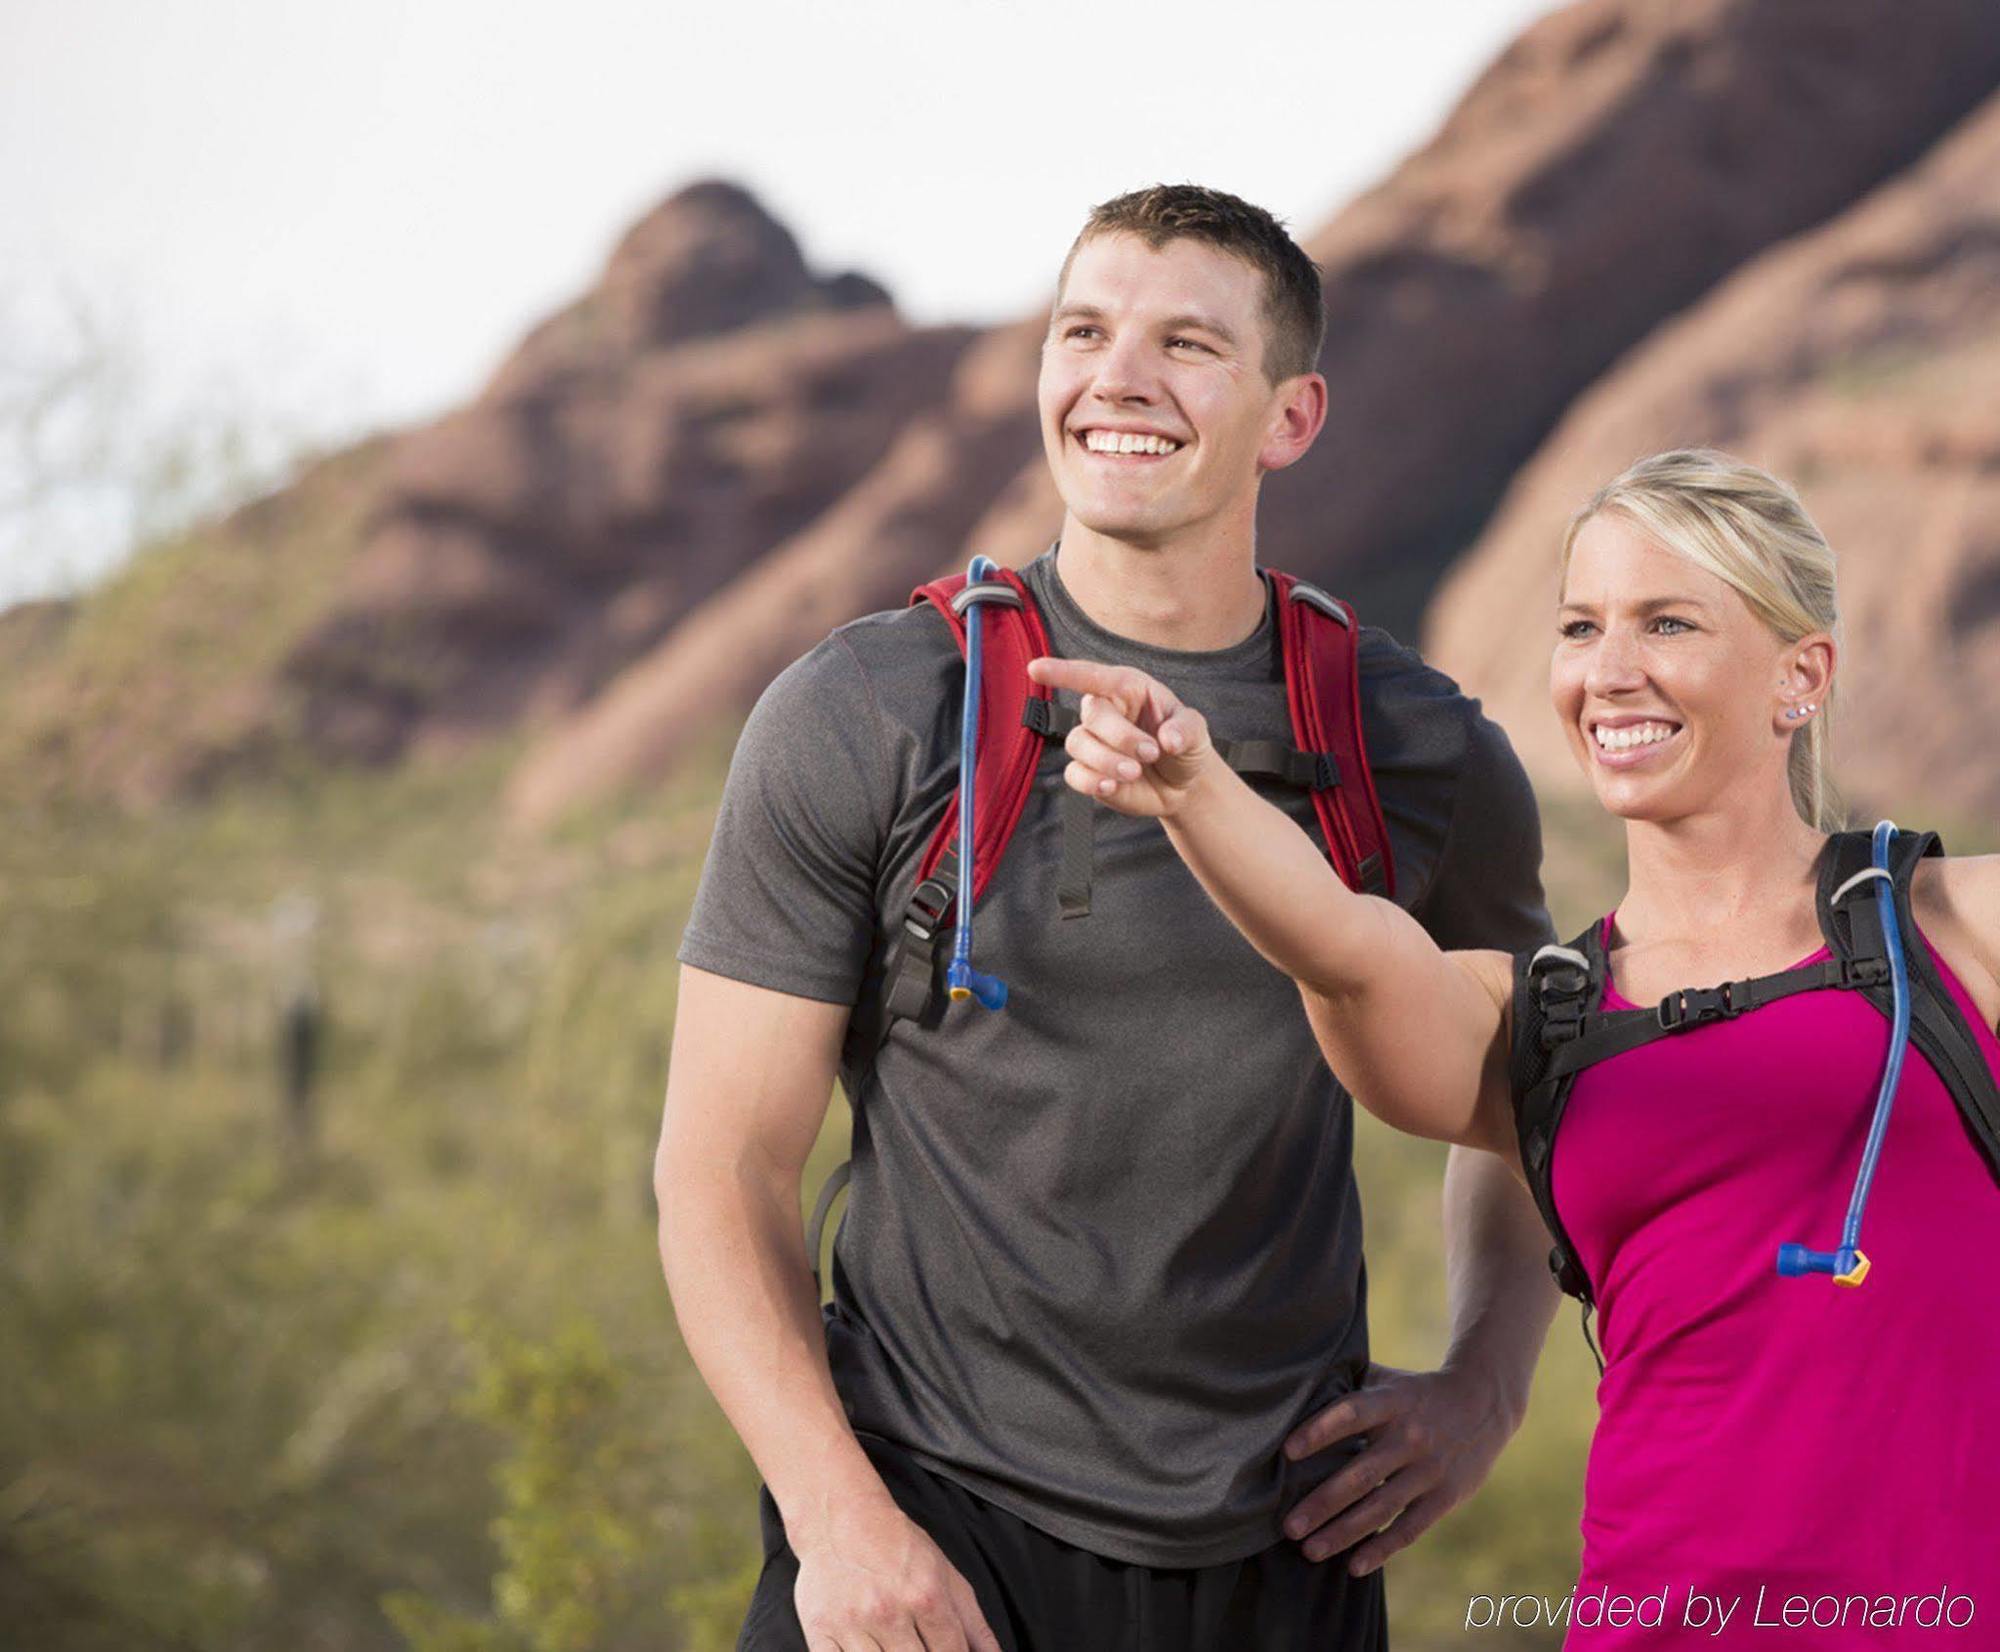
[1192, 596]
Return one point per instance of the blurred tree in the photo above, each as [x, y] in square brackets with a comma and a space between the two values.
[97, 460]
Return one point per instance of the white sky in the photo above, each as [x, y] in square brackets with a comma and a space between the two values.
[312, 220]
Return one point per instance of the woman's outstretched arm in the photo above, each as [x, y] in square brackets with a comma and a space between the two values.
[1417, 1035]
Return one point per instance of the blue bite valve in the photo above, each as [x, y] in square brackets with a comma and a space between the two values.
[966, 982]
[1847, 1265]
[1796, 1260]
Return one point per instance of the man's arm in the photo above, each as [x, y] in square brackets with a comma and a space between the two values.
[751, 1075]
[774, 954]
[1500, 1291]
[1434, 1436]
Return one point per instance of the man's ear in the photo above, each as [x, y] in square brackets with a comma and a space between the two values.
[1297, 425]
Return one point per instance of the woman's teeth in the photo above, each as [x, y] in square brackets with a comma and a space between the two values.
[1124, 441]
[1633, 734]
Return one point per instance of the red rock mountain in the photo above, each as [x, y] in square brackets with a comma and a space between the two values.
[682, 480]
[1861, 362]
[1614, 162]
[641, 449]
[1611, 165]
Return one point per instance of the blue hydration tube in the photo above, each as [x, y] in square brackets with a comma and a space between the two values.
[1848, 1265]
[960, 977]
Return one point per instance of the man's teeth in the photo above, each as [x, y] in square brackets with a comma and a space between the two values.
[1635, 734]
[1124, 441]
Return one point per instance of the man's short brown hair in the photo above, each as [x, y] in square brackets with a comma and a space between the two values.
[1294, 308]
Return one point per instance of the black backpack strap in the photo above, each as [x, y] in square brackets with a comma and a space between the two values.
[1315, 771]
[1555, 990]
[912, 969]
[1053, 721]
[1613, 1032]
[822, 1207]
[1938, 1028]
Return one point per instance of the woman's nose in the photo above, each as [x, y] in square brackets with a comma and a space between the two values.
[1614, 663]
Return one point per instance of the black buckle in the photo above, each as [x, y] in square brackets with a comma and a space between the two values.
[1561, 1022]
[1863, 972]
[1692, 1006]
[1048, 718]
[1559, 990]
[929, 901]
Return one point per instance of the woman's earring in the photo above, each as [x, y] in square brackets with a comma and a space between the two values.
[1805, 710]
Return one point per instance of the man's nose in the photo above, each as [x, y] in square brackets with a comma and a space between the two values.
[1124, 371]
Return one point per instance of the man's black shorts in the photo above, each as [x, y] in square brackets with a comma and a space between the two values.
[1041, 1594]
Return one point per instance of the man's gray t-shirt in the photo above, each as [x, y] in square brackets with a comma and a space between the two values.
[1102, 1248]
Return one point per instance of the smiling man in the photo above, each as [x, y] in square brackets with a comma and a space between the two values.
[1095, 1372]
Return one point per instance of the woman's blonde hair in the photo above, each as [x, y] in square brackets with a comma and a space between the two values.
[1748, 529]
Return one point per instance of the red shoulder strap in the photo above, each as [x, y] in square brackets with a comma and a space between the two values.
[1009, 751]
[1323, 685]
[1322, 688]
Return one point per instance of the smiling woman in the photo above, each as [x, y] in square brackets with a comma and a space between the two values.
[1677, 1136]
[1691, 575]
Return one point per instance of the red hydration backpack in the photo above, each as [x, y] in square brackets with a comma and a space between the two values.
[1017, 717]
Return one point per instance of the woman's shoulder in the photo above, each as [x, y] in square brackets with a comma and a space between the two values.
[1956, 899]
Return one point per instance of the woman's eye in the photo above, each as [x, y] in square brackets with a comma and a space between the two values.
[1577, 628]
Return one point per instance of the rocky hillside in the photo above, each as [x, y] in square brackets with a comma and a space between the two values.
[681, 480]
[1859, 361]
[706, 399]
[1616, 160]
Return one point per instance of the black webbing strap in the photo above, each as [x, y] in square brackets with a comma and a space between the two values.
[1260, 759]
[1079, 846]
[1049, 718]
[1314, 771]
[1553, 993]
[816, 1228]
[1053, 721]
[925, 918]
[1939, 1030]
[1613, 1032]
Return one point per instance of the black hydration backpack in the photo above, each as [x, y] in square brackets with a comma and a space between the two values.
[1561, 1026]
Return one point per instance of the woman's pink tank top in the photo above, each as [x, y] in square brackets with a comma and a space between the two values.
[1817, 1462]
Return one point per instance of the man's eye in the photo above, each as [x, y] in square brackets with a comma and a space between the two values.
[1193, 343]
[1078, 331]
